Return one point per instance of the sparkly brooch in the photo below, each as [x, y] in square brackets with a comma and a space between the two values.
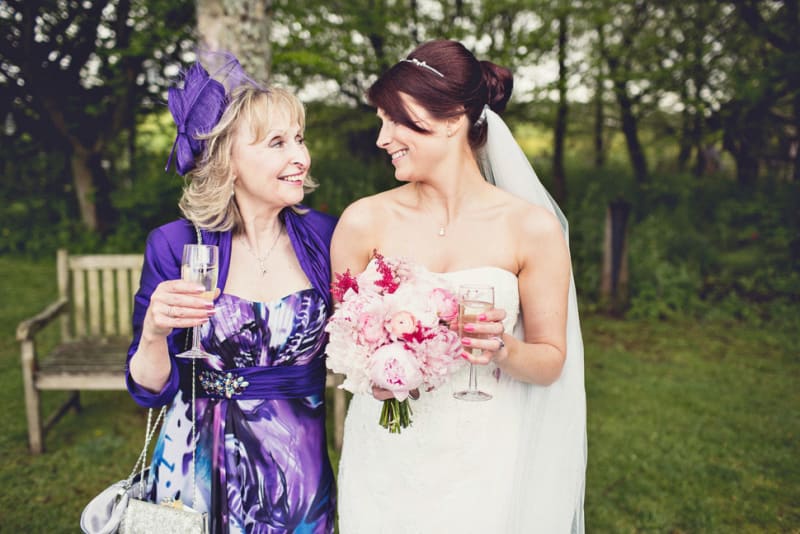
[226, 385]
[422, 64]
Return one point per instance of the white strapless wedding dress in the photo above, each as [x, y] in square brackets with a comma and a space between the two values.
[456, 469]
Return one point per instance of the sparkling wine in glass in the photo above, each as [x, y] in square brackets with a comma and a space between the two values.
[200, 264]
[473, 300]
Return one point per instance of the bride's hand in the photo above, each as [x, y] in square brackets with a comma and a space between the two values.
[384, 394]
[486, 335]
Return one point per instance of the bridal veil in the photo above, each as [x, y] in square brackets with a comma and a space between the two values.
[549, 483]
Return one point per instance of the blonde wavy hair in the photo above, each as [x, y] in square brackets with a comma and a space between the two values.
[207, 198]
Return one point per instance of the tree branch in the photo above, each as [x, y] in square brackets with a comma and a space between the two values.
[750, 14]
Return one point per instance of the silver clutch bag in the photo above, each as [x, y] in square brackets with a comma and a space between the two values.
[142, 517]
[120, 508]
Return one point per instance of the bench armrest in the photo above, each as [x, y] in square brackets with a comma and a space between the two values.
[27, 328]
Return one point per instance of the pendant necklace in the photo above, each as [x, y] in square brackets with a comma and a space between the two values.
[262, 260]
[442, 227]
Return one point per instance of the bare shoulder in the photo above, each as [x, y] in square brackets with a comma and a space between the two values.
[538, 234]
[360, 230]
[363, 214]
[528, 221]
[539, 222]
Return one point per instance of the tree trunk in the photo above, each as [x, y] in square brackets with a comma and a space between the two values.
[701, 164]
[93, 189]
[599, 108]
[743, 136]
[747, 166]
[242, 27]
[685, 141]
[614, 280]
[631, 131]
[560, 130]
[796, 142]
[84, 186]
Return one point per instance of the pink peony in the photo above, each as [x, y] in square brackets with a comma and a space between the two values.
[401, 323]
[369, 327]
[445, 303]
[395, 368]
[439, 355]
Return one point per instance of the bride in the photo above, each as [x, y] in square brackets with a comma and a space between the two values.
[471, 208]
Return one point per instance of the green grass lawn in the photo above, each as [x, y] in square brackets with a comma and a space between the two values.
[693, 426]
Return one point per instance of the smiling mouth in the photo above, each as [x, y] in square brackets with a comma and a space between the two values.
[292, 178]
[399, 154]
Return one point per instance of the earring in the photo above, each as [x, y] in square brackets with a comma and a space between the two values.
[449, 133]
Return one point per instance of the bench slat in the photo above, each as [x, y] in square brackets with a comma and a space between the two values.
[90, 381]
[123, 303]
[109, 324]
[100, 261]
[136, 276]
[79, 300]
[94, 301]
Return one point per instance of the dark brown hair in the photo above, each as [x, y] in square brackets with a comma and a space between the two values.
[466, 85]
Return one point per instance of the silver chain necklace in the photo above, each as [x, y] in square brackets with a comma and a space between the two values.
[262, 260]
[442, 227]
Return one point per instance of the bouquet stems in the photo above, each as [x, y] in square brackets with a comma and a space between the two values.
[395, 415]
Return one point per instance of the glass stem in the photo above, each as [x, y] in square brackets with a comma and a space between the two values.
[196, 337]
[473, 378]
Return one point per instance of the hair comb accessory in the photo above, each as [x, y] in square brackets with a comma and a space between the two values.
[197, 108]
[482, 117]
[422, 64]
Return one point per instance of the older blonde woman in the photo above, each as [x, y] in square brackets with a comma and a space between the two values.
[261, 456]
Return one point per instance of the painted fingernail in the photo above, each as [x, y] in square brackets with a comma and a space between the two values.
[466, 341]
[482, 317]
[469, 328]
[465, 355]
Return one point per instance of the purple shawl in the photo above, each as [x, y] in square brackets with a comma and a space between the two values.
[310, 235]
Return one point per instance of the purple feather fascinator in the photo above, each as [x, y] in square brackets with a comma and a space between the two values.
[197, 108]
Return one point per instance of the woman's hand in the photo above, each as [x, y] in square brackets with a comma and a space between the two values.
[176, 304]
[384, 394]
[487, 336]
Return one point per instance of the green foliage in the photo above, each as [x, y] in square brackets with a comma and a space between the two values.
[151, 198]
[75, 76]
[666, 281]
[698, 247]
[42, 214]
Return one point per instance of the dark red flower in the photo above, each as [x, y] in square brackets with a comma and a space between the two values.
[387, 281]
[342, 283]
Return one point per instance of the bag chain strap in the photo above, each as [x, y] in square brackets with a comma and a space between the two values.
[150, 431]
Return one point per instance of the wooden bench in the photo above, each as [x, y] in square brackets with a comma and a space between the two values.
[94, 307]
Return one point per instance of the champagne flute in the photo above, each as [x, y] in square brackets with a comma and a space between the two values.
[200, 264]
[473, 300]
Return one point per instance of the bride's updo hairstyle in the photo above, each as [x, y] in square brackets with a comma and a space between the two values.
[447, 80]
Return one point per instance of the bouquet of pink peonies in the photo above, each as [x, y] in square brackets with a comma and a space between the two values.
[391, 329]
